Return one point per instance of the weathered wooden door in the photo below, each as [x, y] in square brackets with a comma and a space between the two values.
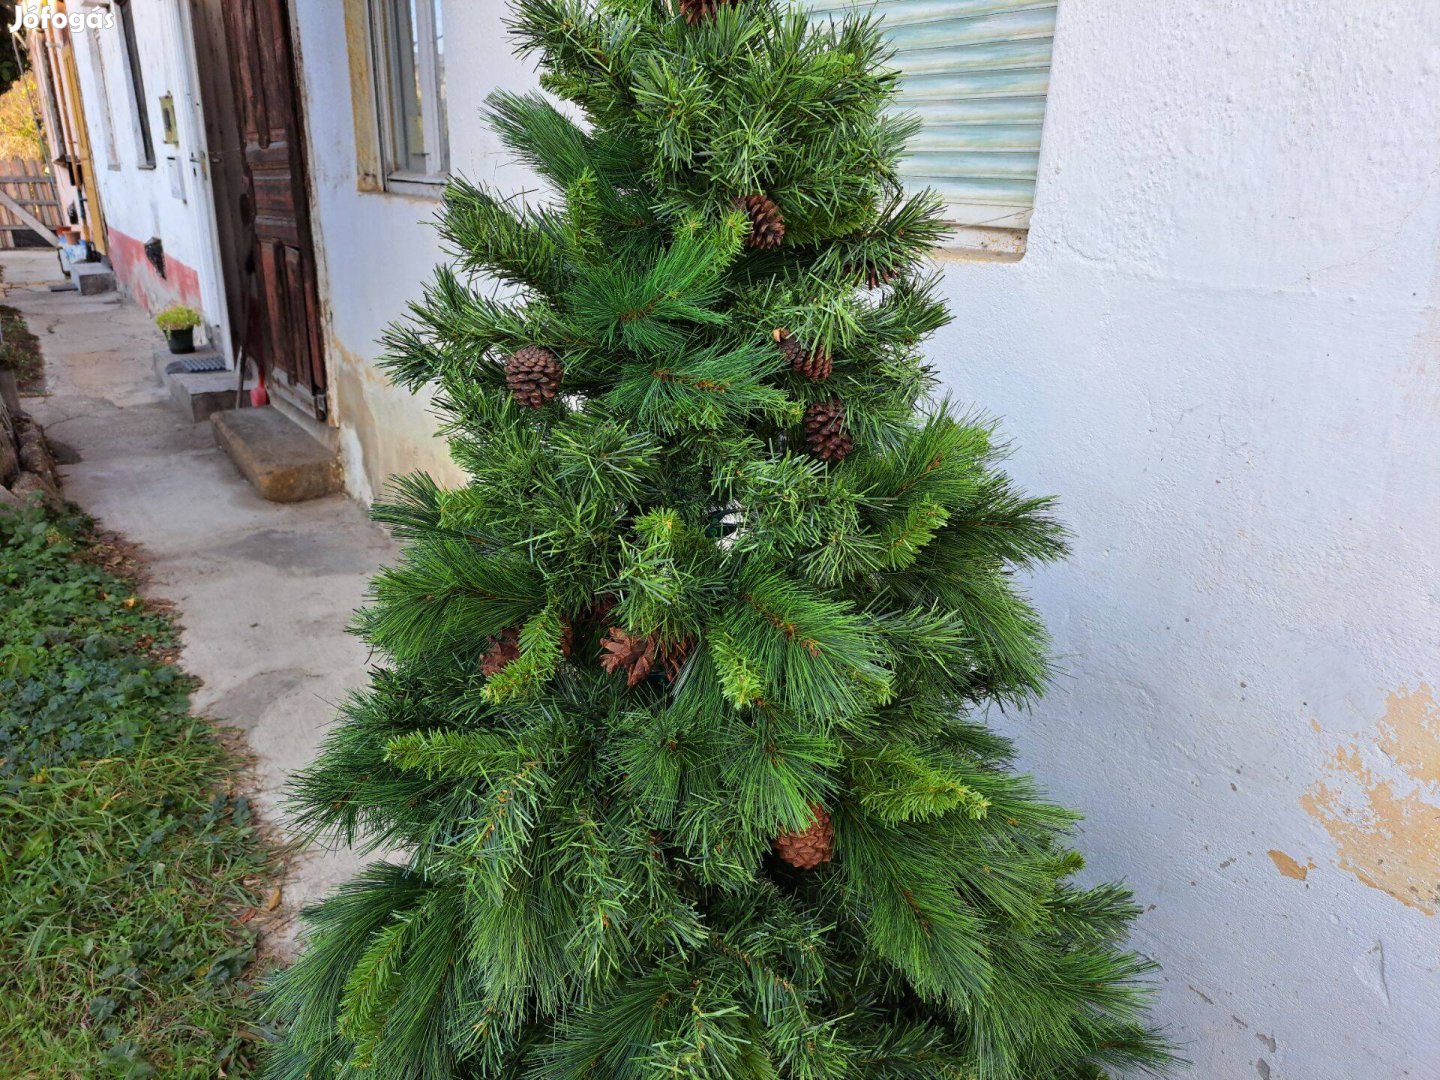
[227, 156]
[285, 301]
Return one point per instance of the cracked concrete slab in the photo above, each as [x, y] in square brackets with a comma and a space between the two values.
[264, 591]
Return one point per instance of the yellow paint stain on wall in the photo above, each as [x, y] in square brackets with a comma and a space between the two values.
[1386, 827]
[1410, 734]
[395, 429]
[1288, 866]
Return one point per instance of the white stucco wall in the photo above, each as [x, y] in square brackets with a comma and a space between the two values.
[141, 203]
[377, 249]
[1222, 351]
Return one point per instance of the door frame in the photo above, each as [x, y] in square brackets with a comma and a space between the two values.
[254, 299]
[215, 283]
[222, 169]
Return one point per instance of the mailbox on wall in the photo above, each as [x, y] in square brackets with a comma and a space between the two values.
[167, 115]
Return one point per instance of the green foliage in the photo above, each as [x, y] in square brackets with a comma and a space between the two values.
[126, 852]
[589, 887]
[20, 349]
[13, 64]
[20, 134]
[178, 317]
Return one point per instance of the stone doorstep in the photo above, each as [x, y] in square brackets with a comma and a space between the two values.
[198, 396]
[92, 279]
[279, 458]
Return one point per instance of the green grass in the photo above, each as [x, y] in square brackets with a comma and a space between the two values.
[130, 863]
[20, 351]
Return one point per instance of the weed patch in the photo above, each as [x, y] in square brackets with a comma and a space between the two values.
[20, 351]
[131, 863]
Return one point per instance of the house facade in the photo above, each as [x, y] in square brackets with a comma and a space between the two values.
[149, 154]
[1197, 279]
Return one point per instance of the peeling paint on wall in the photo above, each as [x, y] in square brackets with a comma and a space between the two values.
[180, 285]
[1380, 802]
[1288, 866]
[385, 431]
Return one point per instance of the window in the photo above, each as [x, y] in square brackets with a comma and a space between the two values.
[408, 37]
[976, 73]
[145, 142]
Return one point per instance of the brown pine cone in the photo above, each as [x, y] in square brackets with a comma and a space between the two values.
[700, 10]
[637, 656]
[815, 364]
[807, 849]
[674, 655]
[767, 226]
[533, 375]
[504, 647]
[826, 431]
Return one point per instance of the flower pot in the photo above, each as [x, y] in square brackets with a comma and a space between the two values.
[181, 341]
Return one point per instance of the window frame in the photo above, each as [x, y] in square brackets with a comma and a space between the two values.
[144, 136]
[996, 42]
[107, 112]
[430, 74]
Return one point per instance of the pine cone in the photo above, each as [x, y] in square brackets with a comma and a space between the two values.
[504, 647]
[825, 430]
[767, 227]
[815, 364]
[533, 375]
[636, 655]
[700, 10]
[639, 655]
[807, 849]
[674, 655]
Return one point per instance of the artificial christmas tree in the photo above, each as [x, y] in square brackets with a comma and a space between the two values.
[754, 826]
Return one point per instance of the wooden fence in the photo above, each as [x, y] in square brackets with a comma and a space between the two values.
[28, 184]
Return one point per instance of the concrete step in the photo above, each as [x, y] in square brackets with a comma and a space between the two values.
[279, 458]
[197, 395]
[92, 278]
[200, 396]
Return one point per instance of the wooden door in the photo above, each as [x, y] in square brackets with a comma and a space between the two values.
[284, 301]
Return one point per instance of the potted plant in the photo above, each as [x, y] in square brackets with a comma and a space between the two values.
[179, 322]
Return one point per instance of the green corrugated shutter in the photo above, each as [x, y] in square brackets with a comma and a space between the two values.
[976, 72]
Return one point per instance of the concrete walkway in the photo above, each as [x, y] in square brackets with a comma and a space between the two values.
[264, 591]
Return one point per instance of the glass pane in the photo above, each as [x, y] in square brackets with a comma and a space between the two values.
[407, 114]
